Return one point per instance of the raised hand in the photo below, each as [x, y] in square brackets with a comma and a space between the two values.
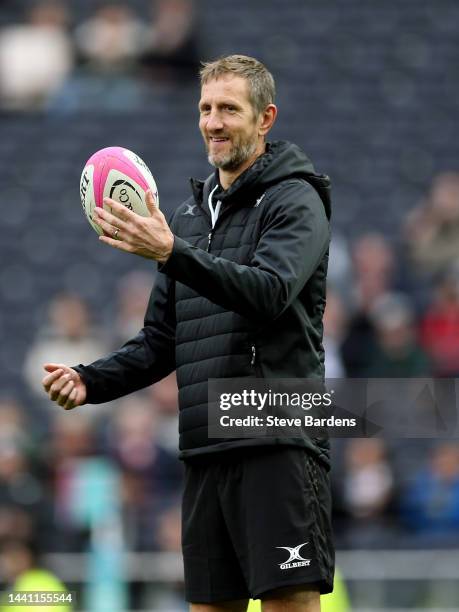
[148, 237]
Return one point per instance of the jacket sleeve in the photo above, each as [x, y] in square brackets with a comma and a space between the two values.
[294, 238]
[143, 360]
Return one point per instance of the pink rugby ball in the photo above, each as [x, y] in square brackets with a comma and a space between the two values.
[119, 174]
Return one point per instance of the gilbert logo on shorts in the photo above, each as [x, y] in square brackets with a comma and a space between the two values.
[295, 559]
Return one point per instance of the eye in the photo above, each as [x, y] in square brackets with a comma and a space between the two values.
[230, 108]
[204, 110]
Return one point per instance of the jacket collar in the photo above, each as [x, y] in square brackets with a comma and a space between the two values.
[246, 183]
[281, 160]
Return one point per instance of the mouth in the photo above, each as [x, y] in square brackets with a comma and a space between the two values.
[218, 139]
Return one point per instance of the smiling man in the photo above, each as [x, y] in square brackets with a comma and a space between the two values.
[240, 294]
[233, 128]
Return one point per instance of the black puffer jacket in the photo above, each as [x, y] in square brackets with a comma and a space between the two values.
[242, 300]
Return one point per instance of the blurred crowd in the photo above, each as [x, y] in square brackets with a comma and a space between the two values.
[393, 312]
[41, 466]
[51, 58]
[63, 474]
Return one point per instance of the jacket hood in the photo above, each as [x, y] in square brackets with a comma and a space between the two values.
[282, 160]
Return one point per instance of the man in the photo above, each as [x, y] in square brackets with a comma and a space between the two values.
[241, 293]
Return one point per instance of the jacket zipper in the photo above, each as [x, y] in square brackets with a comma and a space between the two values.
[209, 239]
[254, 362]
[227, 211]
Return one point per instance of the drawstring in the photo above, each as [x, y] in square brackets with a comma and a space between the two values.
[214, 212]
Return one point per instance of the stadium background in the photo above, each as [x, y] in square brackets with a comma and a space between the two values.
[370, 91]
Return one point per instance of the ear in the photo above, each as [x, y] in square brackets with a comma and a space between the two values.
[266, 119]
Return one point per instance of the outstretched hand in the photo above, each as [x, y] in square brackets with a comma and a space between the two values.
[148, 237]
[64, 386]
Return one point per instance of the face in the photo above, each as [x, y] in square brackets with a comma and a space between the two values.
[228, 122]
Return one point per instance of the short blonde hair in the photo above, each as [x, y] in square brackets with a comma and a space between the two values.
[262, 89]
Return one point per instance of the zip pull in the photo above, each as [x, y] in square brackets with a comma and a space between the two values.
[254, 354]
[209, 238]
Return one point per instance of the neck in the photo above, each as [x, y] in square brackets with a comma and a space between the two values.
[227, 177]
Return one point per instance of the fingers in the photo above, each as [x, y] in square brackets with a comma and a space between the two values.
[67, 396]
[51, 378]
[65, 392]
[63, 385]
[111, 229]
[60, 387]
[150, 201]
[71, 401]
[110, 222]
[117, 212]
[121, 245]
[51, 367]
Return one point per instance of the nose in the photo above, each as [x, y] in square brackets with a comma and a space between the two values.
[214, 121]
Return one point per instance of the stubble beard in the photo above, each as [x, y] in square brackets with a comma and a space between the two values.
[238, 155]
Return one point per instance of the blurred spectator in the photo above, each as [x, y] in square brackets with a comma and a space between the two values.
[151, 474]
[72, 441]
[170, 530]
[432, 229]
[133, 441]
[165, 399]
[16, 521]
[398, 353]
[133, 292]
[339, 275]
[68, 338]
[368, 484]
[440, 326]
[430, 502]
[23, 492]
[72, 436]
[18, 484]
[367, 489]
[172, 41]
[334, 327]
[373, 260]
[12, 426]
[165, 395]
[112, 39]
[35, 57]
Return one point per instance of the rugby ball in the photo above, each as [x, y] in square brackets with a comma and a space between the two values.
[119, 174]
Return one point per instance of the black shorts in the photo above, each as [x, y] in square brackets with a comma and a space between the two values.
[253, 521]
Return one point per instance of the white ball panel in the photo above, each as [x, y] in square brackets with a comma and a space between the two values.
[125, 190]
[87, 196]
[144, 171]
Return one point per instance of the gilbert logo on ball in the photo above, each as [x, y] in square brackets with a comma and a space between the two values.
[119, 174]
